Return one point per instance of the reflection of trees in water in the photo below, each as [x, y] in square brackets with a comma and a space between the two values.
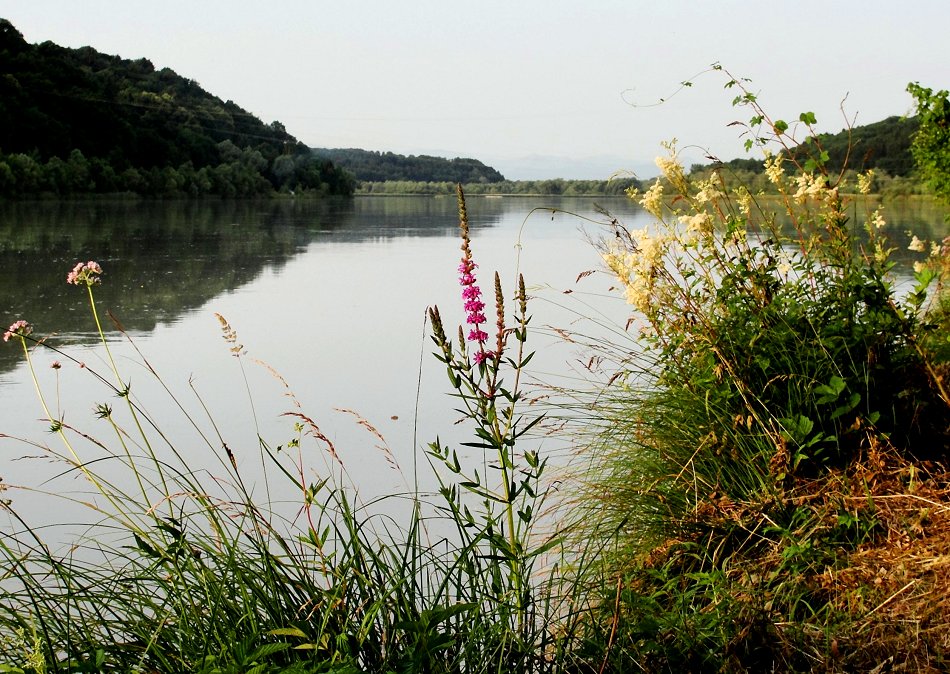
[160, 258]
[905, 216]
[163, 258]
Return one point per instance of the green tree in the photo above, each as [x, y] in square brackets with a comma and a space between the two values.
[931, 144]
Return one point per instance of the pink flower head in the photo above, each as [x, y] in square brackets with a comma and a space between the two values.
[19, 329]
[481, 356]
[476, 334]
[85, 273]
[471, 292]
[474, 306]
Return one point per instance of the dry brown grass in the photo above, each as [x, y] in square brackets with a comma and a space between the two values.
[881, 599]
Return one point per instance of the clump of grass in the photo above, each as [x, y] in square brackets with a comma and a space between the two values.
[185, 571]
[745, 454]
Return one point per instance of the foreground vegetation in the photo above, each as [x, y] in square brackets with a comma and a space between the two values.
[770, 478]
[767, 487]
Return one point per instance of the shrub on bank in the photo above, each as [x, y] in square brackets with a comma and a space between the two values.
[762, 459]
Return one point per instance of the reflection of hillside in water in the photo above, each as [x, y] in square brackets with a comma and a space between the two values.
[162, 259]
[905, 217]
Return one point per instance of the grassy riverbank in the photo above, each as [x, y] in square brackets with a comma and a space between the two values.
[766, 486]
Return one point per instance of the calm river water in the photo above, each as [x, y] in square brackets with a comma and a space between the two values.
[329, 294]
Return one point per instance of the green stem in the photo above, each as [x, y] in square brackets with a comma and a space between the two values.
[57, 425]
[125, 392]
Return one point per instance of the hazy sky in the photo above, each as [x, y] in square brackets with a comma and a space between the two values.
[537, 88]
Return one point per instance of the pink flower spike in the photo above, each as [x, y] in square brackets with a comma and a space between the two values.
[481, 356]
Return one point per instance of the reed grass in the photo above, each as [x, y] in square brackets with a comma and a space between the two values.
[185, 570]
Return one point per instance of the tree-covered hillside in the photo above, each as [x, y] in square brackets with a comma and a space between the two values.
[883, 146]
[370, 166]
[78, 121]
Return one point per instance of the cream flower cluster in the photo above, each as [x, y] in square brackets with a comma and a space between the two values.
[636, 269]
[877, 219]
[774, 170]
[707, 191]
[652, 201]
[697, 225]
[809, 185]
[864, 182]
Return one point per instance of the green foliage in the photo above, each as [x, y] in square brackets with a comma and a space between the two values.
[931, 144]
[883, 146]
[774, 353]
[75, 121]
[370, 166]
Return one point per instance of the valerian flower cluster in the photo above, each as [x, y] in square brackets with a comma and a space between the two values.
[85, 273]
[18, 329]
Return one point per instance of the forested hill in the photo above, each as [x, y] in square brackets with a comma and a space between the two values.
[370, 166]
[78, 121]
[883, 146]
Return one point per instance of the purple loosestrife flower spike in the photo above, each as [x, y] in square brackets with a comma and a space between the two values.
[471, 293]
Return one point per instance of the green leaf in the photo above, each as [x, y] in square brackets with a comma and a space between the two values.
[808, 118]
[145, 547]
[797, 428]
[443, 613]
[830, 392]
[780, 126]
[852, 402]
[288, 632]
[267, 650]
